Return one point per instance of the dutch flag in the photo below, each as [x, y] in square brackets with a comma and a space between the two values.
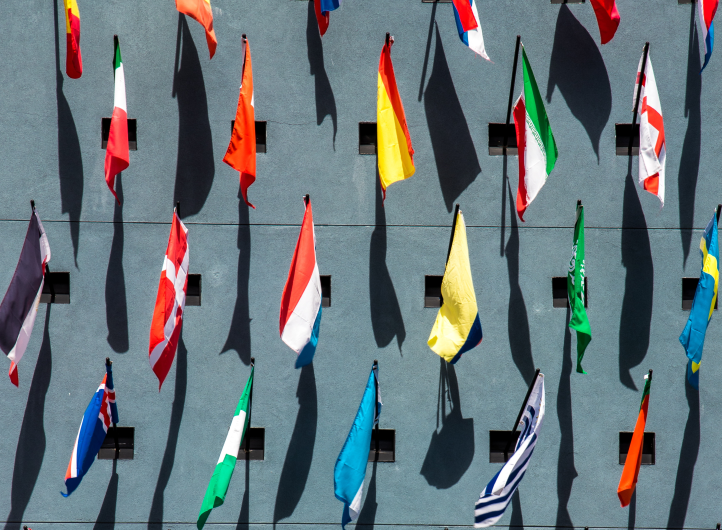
[707, 10]
[467, 22]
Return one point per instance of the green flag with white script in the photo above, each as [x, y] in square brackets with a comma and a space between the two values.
[576, 279]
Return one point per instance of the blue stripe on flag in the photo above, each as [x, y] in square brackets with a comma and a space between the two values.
[309, 350]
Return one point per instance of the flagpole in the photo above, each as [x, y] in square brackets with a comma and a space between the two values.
[108, 362]
[306, 199]
[376, 384]
[719, 208]
[177, 209]
[511, 92]
[453, 230]
[645, 54]
[250, 409]
[521, 411]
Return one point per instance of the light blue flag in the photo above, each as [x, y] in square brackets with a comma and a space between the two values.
[350, 470]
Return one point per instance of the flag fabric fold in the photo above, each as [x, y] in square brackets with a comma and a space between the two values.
[457, 328]
[692, 337]
[241, 152]
[322, 17]
[20, 304]
[607, 18]
[73, 58]
[706, 9]
[469, 26]
[223, 472]
[171, 300]
[117, 152]
[201, 12]
[576, 279]
[628, 481]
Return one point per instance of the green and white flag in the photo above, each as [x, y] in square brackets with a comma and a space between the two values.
[576, 280]
[216, 492]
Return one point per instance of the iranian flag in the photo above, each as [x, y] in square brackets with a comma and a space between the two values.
[216, 492]
[117, 156]
[535, 141]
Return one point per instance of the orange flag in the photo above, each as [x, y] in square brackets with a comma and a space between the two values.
[634, 456]
[241, 152]
[200, 11]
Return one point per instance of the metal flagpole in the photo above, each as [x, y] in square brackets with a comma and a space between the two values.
[521, 411]
[511, 92]
[250, 408]
[376, 407]
[639, 92]
[453, 231]
[108, 362]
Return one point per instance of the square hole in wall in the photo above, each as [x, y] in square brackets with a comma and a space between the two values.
[132, 133]
[648, 447]
[435, 1]
[689, 288]
[568, 1]
[253, 445]
[56, 288]
[260, 135]
[496, 139]
[193, 293]
[326, 291]
[126, 444]
[367, 138]
[560, 297]
[383, 446]
[498, 443]
[432, 291]
[623, 130]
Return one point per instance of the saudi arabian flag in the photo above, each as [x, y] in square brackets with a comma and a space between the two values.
[576, 280]
[216, 492]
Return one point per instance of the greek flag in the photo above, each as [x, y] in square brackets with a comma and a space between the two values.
[498, 492]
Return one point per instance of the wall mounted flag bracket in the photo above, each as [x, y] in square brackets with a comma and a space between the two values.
[521, 411]
[639, 93]
[108, 362]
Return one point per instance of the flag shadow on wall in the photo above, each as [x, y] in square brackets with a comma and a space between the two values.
[325, 102]
[116, 308]
[106, 516]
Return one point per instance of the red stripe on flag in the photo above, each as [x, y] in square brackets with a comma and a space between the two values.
[73, 58]
[117, 154]
[466, 15]
[386, 71]
[520, 127]
[607, 18]
[13, 373]
[321, 18]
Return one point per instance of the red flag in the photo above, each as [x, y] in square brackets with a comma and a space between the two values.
[466, 15]
[607, 18]
[117, 154]
[200, 11]
[321, 18]
[634, 455]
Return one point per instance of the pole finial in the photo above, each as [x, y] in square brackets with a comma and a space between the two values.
[108, 362]
[177, 208]
[579, 202]
[719, 209]
[253, 361]
[32, 205]
[388, 38]
[649, 375]
[243, 36]
[307, 199]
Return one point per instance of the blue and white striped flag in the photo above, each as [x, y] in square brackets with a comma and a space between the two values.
[498, 492]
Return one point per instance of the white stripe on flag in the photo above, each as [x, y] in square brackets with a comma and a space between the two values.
[233, 440]
[119, 96]
[297, 332]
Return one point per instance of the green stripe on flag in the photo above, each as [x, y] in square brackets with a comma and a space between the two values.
[116, 56]
[576, 278]
[645, 392]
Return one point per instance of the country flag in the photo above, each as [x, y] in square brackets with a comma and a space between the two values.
[200, 11]
[628, 481]
[576, 279]
[469, 27]
[706, 10]
[73, 58]
[117, 154]
[607, 18]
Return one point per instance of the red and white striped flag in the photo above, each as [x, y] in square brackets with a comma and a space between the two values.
[170, 302]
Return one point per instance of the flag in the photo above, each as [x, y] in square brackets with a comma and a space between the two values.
[652, 144]
[498, 492]
[200, 11]
[535, 141]
[171, 301]
[393, 141]
[607, 18]
[221, 478]
[20, 304]
[469, 27]
[634, 456]
[101, 411]
[322, 17]
[300, 318]
[73, 58]
[117, 154]
[457, 328]
[241, 152]
[692, 337]
[576, 279]
[350, 469]
[706, 10]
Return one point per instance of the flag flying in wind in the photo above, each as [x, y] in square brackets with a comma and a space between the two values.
[241, 152]
[101, 412]
[692, 337]
[171, 301]
[73, 59]
[706, 10]
[498, 492]
[300, 318]
[322, 8]
[652, 144]
[469, 27]
[634, 456]
[200, 11]
[457, 328]
[607, 18]
[20, 305]
[117, 154]
[393, 141]
[221, 478]
[576, 279]
[350, 469]
[536, 146]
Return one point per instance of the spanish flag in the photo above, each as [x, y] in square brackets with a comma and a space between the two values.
[200, 11]
[634, 455]
[73, 59]
[393, 141]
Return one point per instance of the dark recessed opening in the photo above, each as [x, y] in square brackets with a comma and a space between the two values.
[326, 291]
[193, 293]
[560, 297]
[689, 288]
[126, 444]
[253, 445]
[383, 446]
[260, 135]
[435, 1]
[496, 139]
[367, 138]
[432, 291]
[498, 443]
[132, 133]
[686, 1]
[623, 130]
[56, 289]
[568, 1]
[648, 448]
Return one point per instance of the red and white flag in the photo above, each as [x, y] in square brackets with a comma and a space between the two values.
[117, 154]
[171, 300]
[652, 145]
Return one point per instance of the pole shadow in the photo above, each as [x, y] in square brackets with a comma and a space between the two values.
[106, 516]
[325, 102]
[367, 517]
[244, 517]
[116, 307]
[517, 518]
[428, 49]
[632, 511]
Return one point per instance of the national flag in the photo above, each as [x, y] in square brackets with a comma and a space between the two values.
[692, 337]
[20, 304]
[101, 412]
[634, 456]
[300, 318]
[322, 17]
[497, 495]
[241, 152]
[607, 18]
[535, 140]
[73, 58]
[457, 328]
[394, 151]
[469, 27]
[576, 280]
[652, 144]
[117, 154]
[350, 469]
[171, 301]
[706, 10]
[221, 478]
[200, 11]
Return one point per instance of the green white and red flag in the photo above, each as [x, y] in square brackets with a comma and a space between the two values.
[117, 154]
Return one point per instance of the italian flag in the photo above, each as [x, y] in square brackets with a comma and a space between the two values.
[535, 141]
[216, 492]
[634, 456]
[117, 157]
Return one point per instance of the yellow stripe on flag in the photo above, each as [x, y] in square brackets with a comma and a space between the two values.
[393, 155]
[70, 5]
